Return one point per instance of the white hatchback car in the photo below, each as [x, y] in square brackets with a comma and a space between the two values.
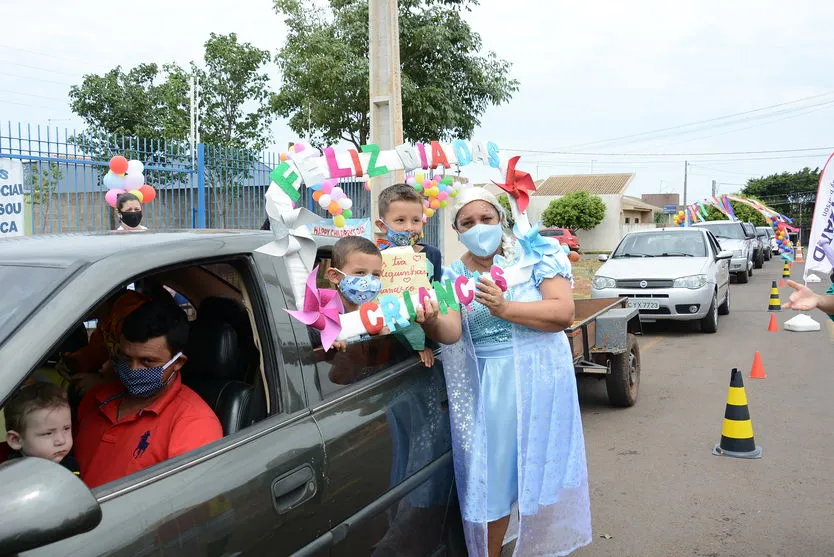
[669, 273]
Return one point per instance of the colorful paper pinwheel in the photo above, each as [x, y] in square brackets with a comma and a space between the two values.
[519, 184]
[321, 310]
[535, 245]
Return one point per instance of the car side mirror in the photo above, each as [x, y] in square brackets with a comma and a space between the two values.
[602, 257]
[724, 255]
[42, 502]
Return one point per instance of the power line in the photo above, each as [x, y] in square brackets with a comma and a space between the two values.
[38, 68]
[713, 153]
[33, 95]
[85, 61]
[700, 122]
[35, 79]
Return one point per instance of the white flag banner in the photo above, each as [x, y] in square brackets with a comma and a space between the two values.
[820, 249]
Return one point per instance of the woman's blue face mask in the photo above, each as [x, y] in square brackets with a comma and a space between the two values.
[482, 240]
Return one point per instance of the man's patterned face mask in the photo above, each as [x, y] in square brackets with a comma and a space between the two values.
[360, 289]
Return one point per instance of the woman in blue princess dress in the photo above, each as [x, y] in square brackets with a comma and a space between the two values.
[516, 429]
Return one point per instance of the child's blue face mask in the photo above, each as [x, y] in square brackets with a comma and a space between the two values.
[359, 289]
[400, 239]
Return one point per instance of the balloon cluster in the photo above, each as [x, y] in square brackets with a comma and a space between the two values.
[334, 200]
[437, 191]
[783, 240]
[126, 176]
[680, 219]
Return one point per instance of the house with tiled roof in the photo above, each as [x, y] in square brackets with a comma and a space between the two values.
[623, 214]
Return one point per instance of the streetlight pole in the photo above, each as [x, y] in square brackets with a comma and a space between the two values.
[385, 85]
[685, 203]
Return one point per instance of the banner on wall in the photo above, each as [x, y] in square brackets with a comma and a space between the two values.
[353, 227]
[11, 198]
[820, 250]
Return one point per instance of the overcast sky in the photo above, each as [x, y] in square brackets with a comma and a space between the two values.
[590, 71]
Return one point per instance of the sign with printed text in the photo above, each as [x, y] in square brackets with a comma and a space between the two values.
[403, 269]
[11, 198]
[352, 227]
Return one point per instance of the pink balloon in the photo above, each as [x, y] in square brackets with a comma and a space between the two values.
[111, 196]
[328, 185]
[442, 196]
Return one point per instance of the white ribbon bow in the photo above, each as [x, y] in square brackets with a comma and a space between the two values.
[289, 227]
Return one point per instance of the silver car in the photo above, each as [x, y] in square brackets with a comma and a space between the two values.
[733, 237]
[669, 273]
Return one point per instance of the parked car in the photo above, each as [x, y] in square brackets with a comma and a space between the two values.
[733, 237]
[759, 246]
[564, 235]
[324, 453]
[768, 240]
[669, 273]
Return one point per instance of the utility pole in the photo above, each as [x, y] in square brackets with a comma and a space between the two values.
[685, 203]
[714, 188]
[385, 86]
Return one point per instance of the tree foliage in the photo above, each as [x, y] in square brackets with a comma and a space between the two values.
[504, 200]
[578, 210]
[446, 83]
[792, 194]
[42, 179]
[150, 103]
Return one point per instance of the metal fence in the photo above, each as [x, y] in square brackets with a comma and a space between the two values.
[198, 186]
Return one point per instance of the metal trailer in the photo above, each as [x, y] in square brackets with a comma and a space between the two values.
[603, 339]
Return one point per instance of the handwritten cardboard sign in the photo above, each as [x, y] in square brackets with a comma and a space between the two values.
[403, 269]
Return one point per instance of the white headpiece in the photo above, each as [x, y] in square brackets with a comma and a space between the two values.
[475, 193]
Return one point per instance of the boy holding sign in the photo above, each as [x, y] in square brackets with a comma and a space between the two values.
[401, 220]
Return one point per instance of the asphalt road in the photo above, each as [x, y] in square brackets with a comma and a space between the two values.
[656, 488]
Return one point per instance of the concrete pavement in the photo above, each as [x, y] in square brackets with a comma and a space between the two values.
[656, 488]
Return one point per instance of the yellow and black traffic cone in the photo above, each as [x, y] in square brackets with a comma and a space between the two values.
[737, 433]
[786, 273]
[774, 304]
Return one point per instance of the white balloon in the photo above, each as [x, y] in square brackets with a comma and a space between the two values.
[345, 203]
[135, 167]
[134, 181]
[109, 180]
[337, 193]
[325, 201]
[117, 182]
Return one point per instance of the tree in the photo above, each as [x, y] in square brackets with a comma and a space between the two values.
[42, 180]
[743, 212]
[150, 104]
[578, 210]
[792, 194]
[504, 200]
[446, 84]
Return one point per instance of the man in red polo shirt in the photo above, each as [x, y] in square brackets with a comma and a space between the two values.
[148, 416]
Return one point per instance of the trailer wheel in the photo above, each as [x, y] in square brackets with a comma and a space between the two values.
[624, 380]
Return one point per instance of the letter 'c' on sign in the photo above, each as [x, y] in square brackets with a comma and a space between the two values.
[364, 311]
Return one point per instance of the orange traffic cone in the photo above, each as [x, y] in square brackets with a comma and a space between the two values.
[800, 258]
[773, 327]
[781, 283]
[758, 371]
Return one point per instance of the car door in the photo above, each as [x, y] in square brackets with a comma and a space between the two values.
[721, 267]
[385, 424]
[255, 492]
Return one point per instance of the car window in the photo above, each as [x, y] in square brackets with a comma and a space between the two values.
[727, 230]
[713, 243]
[238, 390]
[661, 244]
[23, 287]
[335, 371]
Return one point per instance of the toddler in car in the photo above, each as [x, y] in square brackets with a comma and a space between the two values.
[39, 425]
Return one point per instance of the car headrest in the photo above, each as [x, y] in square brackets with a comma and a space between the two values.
[234, 313]
[213, 351]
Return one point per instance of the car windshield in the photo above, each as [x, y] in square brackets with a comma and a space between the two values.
[23, 287]
[728, 230]
[552, 232]
[662, 244]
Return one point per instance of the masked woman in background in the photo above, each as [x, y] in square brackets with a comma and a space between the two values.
[130, 212]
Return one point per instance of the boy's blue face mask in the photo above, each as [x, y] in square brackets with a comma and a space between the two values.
[400, 239]
[359, 289]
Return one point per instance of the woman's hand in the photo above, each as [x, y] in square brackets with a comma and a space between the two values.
[428, 315]
[491, 296]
